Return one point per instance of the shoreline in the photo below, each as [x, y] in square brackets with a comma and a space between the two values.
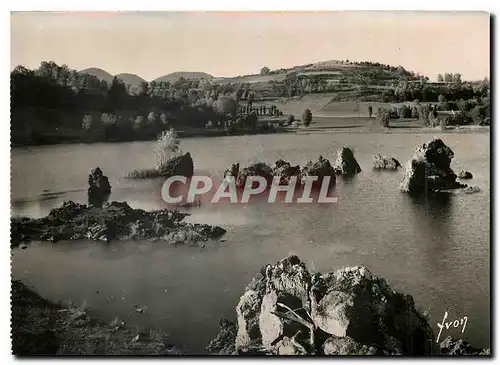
[40, 327]
[300, 131]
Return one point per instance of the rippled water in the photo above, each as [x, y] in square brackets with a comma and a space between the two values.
[436, 250]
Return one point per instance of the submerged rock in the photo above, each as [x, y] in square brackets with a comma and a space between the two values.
[99, 188]
[429, 169]
[385, 163]
[320, 168]
[346, 164]
[464, 175]
[176, 166]
[287, 310]
[452, 346]
[115, 221]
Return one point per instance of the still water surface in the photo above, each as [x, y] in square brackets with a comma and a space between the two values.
[436, 250]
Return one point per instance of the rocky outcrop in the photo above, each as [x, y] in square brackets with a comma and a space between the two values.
[176, 166]
[385, 163]
[115, 221]
[284, 170]
[345, 164]
[287, 310]
[464, 175]
[256, 169]
[99, 188]
[454, 347]
[320, 168]
[429, 169]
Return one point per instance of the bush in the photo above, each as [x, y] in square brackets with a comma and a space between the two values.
[167, 146]
[306, 118]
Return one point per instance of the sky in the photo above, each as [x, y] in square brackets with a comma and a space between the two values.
[152, 44]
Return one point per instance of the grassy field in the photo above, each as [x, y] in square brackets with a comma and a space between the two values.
[40, 327]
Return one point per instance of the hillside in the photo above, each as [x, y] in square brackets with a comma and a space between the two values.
[175, 76]
[131, 79]
[99, 73]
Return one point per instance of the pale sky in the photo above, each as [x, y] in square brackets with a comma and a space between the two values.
[229, 44]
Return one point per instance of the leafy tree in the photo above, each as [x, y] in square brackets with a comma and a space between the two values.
[448, 77]
[250, 99]
[264, 71]
[440, 78]
[225, 106]
[306, 118]
[457, 78]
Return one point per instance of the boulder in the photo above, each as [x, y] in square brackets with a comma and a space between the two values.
[256, 169]
[285, 171]
[179, 165]
[320, 168]
[346, 164]
[341, 346]
[385, 163]
[287, 310]
[429, 170]
[454, 347]
[464, 175]
[99, 188]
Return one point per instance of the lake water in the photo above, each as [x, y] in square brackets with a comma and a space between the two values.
[436, 250]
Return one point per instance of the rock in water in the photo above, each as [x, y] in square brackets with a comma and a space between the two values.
[256, 169]
[287, 310]
[179, 165]
[346, 164]
[464, 175]
[429, 169]
[115, 221]
[233, 171]
[99, 188]
[284, 170]
[385, 163]
[320, 168]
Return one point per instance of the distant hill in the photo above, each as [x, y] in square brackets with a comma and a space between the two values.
[131, 79]
[99, 73]
[175, 76]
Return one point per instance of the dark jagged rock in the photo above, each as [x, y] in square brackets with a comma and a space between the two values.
[320, 168]
[454, 347]
[464, 175]
[346, 164]
[385, 163]
[429, 170]
[233, 171]
[284, 170]
[179, 166]
[176, 166]
[115, 221]
[285, 310]
[99, 188]
[256, 169]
